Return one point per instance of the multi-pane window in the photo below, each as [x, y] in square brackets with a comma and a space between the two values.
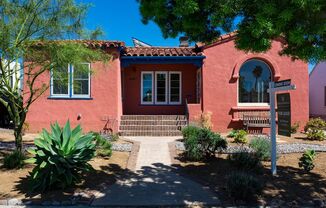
[255, 76]
[161, 87]
[81, 79]
[175, 87]
[165, 87]
[147, 87]
[71, 81]
[60, 81]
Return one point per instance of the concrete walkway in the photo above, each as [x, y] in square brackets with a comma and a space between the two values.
[155, 182]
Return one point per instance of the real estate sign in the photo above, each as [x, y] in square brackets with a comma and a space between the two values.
[284, 114]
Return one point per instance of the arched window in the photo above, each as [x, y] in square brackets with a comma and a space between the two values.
[254, 79]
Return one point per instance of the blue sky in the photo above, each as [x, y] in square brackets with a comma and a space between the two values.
[121, 20]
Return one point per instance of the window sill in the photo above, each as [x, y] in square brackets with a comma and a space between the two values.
[144, 104]
[70, 98]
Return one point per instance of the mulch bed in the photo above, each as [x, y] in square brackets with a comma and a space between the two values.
[14, 183]
[291, 187]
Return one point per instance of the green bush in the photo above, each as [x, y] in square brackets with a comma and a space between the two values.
[14, 160]
[61, 157]
[243, 186]
[316, 134]
[247, 161]
[241, 137]
[103, 146]
[315, 124]
[232, 133]
[202, 143]
[307, 160]
[190, 131]
[262, 147]
[295, 127]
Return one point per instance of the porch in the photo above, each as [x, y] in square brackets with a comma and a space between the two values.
[158, 81]
[158, 87]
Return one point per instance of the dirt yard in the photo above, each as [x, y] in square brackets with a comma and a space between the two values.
[14, 183]
[291, 187]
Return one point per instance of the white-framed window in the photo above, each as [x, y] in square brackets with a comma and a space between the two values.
[147, 87]
[81, 80]
[164, 86]
[60, 82]
[175, 87]
[71, 81]
[161, 87]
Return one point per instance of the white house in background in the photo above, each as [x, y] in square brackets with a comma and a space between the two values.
[317, 91]
[16, 77]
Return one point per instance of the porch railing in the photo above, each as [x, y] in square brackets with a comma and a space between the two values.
[187, 111]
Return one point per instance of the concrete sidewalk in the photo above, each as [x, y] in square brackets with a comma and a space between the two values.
[155, 182]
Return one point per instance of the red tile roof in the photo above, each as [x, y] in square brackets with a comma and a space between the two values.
[161, 51]
[219, 40]
[92, 43]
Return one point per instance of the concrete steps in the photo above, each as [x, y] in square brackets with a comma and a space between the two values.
[152, 125]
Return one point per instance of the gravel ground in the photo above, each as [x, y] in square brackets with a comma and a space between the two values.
[281, 148]
[115, 147]
[122, 147]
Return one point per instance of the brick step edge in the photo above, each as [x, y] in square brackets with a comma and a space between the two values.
[150, 133]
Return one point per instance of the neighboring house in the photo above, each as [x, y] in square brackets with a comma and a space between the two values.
[15, 68]
[317, 91]
[183, 81]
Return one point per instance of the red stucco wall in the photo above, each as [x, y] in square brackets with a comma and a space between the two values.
[105, 103]
[220, 72]
[132, 92]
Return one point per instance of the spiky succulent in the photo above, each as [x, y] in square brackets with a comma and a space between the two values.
[60, 157]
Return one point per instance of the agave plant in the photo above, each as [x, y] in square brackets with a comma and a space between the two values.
[60, 157]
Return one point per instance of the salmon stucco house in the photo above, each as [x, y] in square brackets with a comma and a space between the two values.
[157, 90]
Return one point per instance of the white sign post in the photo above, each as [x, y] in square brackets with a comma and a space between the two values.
[273, 88]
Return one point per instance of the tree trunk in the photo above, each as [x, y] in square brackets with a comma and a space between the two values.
[18, 131]
[18, 139]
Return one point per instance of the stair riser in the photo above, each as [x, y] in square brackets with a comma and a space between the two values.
[153, 117]
[154, 123]
[151, 128]
[155, 133]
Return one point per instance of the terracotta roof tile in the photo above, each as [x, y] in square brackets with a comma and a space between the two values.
[221, 39]
[161, 51]
[92, 43]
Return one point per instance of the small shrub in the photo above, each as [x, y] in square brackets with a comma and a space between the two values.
[206, 120]
[232, 133]
[190, 131]
[246, 161]
[103, 146]
[243, 186]
[61, 157]
[316, 134]
[202, 142]
[315, 124]
[241, 137]
[295, 127]
[307, 160]
[114, 137]
[14, 160]
[262, 147]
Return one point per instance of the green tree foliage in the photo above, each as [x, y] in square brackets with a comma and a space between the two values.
[301, 23]
[60, 157]
[30, 29]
